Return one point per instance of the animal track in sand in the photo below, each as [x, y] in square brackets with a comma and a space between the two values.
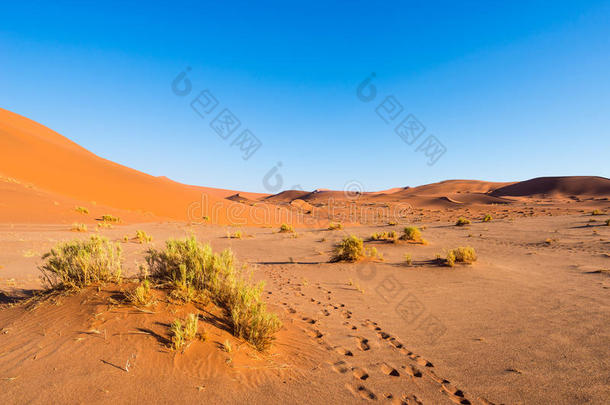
[340, 367]
[412, 371]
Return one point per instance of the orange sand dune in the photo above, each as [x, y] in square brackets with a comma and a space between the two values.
[567, 186]
[447, 187]
[32, 153]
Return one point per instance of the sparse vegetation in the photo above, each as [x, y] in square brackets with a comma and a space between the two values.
[194, 268]
[408, 259]
[392, 223]
[226, 346]
[285, 228]
[141, 295]
[77, 264]
[608, 222]
[235, 235]
[82, 210]
[143, 237]
[104, 225]
[335, 226]
[391, 236]
[487, 218]
[79, 227]
[412, 234]
[465, 255]
[462, 221]
[110, 218]
[183, 332]
[350, 249]
[597, 212]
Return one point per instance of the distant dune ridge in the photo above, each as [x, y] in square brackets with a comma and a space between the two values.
[43, 175]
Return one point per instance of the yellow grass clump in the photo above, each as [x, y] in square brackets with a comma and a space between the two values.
[487, 218]
[465, 255]
[184, 331]
[412, 234]
[350, 249]
[110, 218]
[82, 210]
[77, 264]
[141, 295]
[335, 226]
[195, 268]
[143, 237]
[285, 228]
[79, 227]
[462, 221]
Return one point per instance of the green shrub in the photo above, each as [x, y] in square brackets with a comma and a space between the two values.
[286, 228]
[143, 237]
[194, 268]
[183, 332]
[462, 221]
[335, 226]
[82, 210]
[350, 249]
[78, 264]
[487, 218]
[465, 255]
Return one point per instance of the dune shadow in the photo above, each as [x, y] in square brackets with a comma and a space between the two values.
[159, 338]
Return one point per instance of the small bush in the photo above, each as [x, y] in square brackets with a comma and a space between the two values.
[78, 264]
[408, 259]
[335, 226]
[143, 237]
[350, 249]
[391, 236]
[79, 227]
[465, 255]
[141, 295]
[413, 235]
[487, 218]
[372, 253]
[285, 228]
[392, 223]
[183, 332]
[597, 212]
[82, 210]
[462, 221]
[104, 225]
[195, 270]
[110, 218]
[235, 235]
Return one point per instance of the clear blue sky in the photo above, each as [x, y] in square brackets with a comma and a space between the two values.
[514, 90]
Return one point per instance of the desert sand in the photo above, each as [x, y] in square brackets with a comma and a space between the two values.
[527, 323]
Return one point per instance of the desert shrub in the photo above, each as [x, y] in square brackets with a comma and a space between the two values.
[141, 295]
[143, 237]
[82, 210]
[79, 227]
[194, 269]
[392, 223]
[373, 253]
[183, 332]
[104, 225]
[77, 264]
[487, 218]
[408, 259]
[597, 212]
[335, 226]
[235, 235]
[110, 218]
[350, 249]
[391, 236]
[412, 234]
[462, 221]
[284, 228]
[461, 255]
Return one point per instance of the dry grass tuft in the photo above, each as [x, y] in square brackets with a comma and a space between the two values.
[77, 264]
[335, 226]
[597, 212]
[82, 210]
[487, 218]
[285, 228]
[141, 295]
[465, 255]
[110, 218]
[184, 332]
[462, 221]
[194, 269]
[79, 227]
[413, 235]
[143, 237]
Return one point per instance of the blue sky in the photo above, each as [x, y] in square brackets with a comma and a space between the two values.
[513, 90]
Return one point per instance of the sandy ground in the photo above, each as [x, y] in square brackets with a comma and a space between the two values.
[528, 323]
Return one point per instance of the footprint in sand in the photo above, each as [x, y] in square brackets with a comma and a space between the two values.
[412, 371]
[360, 373]
[343, 351]
[362, 391]
[341, 367]
[389, 370]
[363, 344]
